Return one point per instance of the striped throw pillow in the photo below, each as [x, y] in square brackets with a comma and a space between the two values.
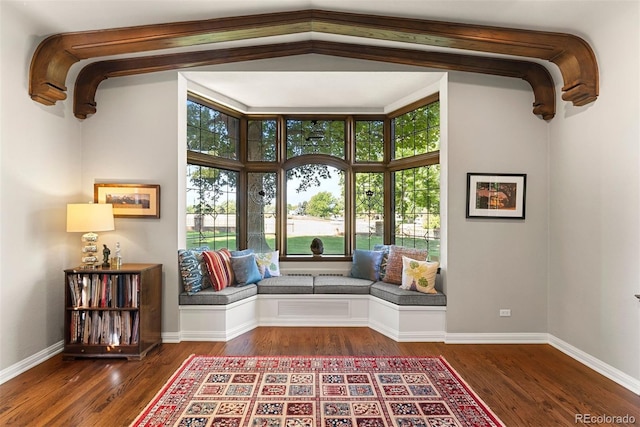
[219, 266]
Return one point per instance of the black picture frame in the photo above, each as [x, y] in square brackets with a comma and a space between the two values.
[496, 195]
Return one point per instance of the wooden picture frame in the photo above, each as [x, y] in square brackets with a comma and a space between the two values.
[495, 195]
[130, 200]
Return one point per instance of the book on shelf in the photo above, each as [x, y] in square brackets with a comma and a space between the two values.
[121, 290]
[126, 328]
[73, 295]
[135, 329]
[87, 329]
[93, 290]
[84, 291]
[103, 327]
[103, 290]
[73, 334]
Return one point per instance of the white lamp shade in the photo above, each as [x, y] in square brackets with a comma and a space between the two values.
[89, 217]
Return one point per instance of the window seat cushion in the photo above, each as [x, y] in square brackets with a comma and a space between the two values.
[210, 296]
[341, 285]
[393, 294]
[286, 285]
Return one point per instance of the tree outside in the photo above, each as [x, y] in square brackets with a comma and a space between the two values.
[324, 205]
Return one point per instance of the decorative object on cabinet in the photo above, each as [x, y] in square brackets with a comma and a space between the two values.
[113, 313]
[130, 200]
[88, 218]
[105, 256]
[116, 261]
[496, 195]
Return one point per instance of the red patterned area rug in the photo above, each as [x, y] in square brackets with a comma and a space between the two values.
[316, 391]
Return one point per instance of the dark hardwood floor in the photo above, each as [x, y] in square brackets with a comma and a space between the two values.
[525, 385]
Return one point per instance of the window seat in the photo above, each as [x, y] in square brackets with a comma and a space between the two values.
[305, 300]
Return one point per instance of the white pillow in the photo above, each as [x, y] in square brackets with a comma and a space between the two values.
[419, 275]
[268, 263]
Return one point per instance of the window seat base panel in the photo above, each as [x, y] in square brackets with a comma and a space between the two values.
[225, 322]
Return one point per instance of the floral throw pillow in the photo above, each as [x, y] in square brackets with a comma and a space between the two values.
[419, 275]
[268, 263]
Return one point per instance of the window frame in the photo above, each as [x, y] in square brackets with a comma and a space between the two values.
[281, 164]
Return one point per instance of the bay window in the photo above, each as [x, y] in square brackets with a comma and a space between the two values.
[278, 182]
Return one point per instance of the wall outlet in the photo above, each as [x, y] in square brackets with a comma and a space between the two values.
[505, 312]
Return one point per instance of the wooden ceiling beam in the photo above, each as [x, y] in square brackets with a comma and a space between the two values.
[56, 54]
[535, 74]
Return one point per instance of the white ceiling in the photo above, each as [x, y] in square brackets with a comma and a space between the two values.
[305, 91]
[315, 92]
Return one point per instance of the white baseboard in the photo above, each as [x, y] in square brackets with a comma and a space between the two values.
[497, 338]
[608, 371]
[171, 337]
[217, 335]
[384, 329]
[31, 361]
[203, 336]
[616, 375]
[241, 329]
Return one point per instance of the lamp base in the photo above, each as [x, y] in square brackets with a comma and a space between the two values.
[89, 251]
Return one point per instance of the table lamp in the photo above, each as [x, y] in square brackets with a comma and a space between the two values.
[88, 218]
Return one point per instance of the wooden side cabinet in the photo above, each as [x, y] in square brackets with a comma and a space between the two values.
[113, 313]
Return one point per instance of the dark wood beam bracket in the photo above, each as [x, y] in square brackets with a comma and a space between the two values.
[535, 74]
[56, 54]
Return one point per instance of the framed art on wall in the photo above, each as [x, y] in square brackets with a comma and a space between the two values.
[496, 195]
[130, 200]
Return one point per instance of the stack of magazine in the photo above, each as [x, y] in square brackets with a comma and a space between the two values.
[95, 299]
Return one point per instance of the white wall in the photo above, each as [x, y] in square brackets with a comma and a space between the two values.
[133, 139]
[594, 268]
[40, 163]
[496, 263]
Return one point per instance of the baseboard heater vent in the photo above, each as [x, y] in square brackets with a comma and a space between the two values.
[299, 274]
[314, 309]
[331, 274]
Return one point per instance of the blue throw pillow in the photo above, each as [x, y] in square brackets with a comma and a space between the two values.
[245, 269]
[366, 264]
[242, 252]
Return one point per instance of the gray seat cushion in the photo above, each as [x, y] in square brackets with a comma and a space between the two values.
[341, 285]
[209, 296]
[286, 285]
[393, 294]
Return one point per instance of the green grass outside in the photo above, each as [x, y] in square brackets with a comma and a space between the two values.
[333, 245]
